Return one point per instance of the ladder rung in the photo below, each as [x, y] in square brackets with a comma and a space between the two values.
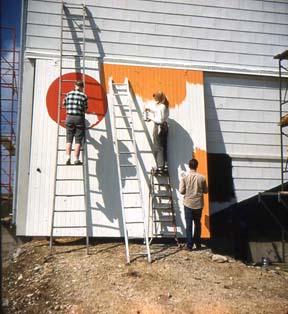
[69, 195]
[67, 81]
[161, 195]
[127, 153]
[165, 197]
[130, 207]
[131, 179]
[62, 180]
[71, 42]
[73, 5]
[128, 166]
[121, 94]
[67, 68]
[131, 192]
[122, 106]
[139, 254]
[129, 140]
[134, 222]
[123, 128]
[122, 84]
[70, 211]
[63, 227]
[67, 29]
[162, 207]
[167, 234]
[74, 56]
[71, 165]
[74, 18]
[170, 221]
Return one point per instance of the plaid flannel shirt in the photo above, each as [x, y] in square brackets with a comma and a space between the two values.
[76, 103]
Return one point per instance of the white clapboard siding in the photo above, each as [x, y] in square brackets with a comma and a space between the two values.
[241, 120]
[187, 125]
[239, 35]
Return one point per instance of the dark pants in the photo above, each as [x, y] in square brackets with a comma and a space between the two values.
[193, 215]
[75, 127]
[160, 135]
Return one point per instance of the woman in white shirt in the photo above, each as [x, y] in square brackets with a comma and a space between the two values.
[159, 115]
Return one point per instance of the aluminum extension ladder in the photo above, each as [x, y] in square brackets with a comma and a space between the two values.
[128, 172]
[65, 203]
[162, 213]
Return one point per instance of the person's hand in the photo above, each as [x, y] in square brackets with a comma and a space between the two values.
[147, 109]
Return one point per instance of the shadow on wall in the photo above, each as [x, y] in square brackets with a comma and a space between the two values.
[249, 221]
[221, 186]
[108, 182]
[73, 27]
[180, 149]
[96, 30]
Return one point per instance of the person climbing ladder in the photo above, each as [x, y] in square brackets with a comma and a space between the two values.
[159, 115]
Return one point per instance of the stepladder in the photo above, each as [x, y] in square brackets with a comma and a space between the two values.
[134, 214]
[69, 214]
[162, 213]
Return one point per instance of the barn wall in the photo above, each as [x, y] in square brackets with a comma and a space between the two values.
[187, 135]
[216, 35]
[242, 113]
[177, 38]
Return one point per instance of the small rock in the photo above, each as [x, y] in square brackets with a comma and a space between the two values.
[36, 267]
[5, 302]
[219, 258]
[20, 277]
[17, 253]
[57, 307]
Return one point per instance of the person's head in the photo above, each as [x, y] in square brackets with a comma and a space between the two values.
[160, 98]
[193, 164]
[79, 85]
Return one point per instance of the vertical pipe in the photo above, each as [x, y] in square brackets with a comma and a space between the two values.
[281, 131]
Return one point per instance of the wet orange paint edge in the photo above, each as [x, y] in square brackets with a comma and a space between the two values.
[147, 80]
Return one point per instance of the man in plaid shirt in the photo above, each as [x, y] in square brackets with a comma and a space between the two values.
[76, 103]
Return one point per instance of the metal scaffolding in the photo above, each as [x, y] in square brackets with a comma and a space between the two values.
[276, 203]
[283, 102]
[8, 110]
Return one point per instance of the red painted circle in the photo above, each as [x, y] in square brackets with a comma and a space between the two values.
[97, 101]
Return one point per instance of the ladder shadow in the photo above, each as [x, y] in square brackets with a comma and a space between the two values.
[73, 30]
[166, 250]
[92, 250]
[73, 26]
[107, 185]
[147, 136]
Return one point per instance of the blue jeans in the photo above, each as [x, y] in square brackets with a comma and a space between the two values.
[193, 216]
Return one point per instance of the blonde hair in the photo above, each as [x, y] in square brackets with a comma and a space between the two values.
[161, 98]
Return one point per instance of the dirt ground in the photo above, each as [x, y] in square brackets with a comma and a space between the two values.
[177, 281]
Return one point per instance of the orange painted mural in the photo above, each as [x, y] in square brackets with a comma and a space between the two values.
[144, 81]
[147, 80]
[97, 101]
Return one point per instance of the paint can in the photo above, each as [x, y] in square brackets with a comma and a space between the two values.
[145, 115]
[265, 262]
